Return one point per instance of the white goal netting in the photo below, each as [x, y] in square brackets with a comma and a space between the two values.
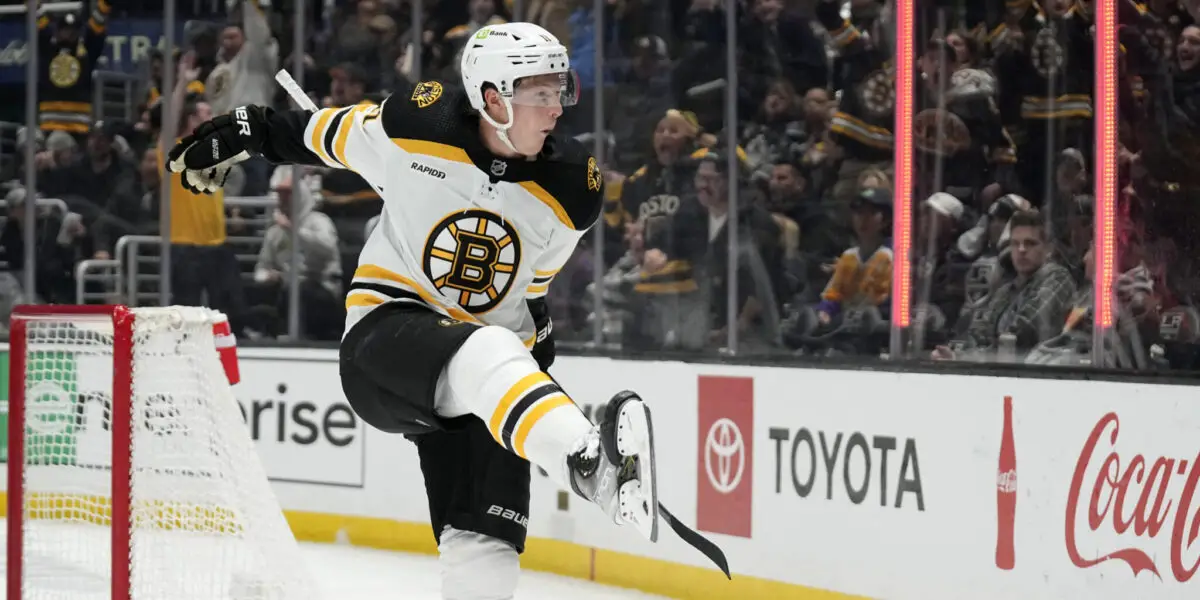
[204, 522]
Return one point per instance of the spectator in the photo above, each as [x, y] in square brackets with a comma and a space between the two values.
[151, 188]
[777, 135]
[862, 276]
[62, 151]
[247, 61]
[60, 241]
[360, 38]
[775, 46]
[789, 197]
[760, 254]
[860, 131]
[1032, 305]
[68, 53]
[940, 268]
[154, 77]
[201, 261]
[654, 191]
[348, 85]
[102, 186]
[245, 74]
[320, 272]
[982, 245]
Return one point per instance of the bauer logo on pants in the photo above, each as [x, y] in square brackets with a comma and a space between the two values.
[725, 459]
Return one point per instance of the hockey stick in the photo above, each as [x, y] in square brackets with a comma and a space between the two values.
[704, 545]
[293, 89]
[697, 541]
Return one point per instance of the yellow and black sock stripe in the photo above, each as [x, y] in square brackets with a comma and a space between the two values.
[523, 405]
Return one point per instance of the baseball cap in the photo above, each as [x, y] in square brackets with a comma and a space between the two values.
[879, 198]
[945, 205]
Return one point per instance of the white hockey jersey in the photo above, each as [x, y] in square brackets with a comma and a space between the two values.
[467, 233]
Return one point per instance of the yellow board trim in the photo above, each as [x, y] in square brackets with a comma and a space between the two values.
[606, 567]
[599, 565]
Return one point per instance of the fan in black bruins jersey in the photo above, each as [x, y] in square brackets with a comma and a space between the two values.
[448, 336]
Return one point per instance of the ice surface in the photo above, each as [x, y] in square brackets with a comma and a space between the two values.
[343, 572]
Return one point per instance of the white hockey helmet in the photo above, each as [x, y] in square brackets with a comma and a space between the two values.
[500, 55]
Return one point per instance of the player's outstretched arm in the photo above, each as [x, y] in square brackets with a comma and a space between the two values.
[206, 155]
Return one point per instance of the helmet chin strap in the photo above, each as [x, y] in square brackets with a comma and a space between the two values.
[502, 130]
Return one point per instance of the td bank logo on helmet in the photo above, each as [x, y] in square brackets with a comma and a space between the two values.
[725, 454]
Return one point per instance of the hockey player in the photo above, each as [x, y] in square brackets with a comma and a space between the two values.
[448, 337]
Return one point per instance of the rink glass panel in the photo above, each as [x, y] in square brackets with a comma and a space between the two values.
[661, 58]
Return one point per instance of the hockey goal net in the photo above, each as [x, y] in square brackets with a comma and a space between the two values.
[131, 474]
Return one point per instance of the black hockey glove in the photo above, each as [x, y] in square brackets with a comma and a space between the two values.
[543, 345]
[205, 157]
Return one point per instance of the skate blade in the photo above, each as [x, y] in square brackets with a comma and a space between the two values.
[639, 507]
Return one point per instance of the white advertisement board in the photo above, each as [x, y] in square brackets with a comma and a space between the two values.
[872, 484]
[305, 430]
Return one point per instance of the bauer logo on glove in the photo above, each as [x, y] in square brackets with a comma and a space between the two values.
[204, 158]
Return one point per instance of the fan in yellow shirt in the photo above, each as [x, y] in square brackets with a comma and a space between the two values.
[201, 262]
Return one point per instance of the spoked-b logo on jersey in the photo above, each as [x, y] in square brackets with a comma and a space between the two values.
[725, 459]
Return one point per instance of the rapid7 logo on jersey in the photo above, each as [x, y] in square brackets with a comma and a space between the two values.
[472, 256]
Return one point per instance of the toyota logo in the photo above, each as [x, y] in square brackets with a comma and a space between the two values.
[723, 446]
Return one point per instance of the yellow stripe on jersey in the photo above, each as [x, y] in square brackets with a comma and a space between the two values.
[343, 133]
[360, 298]
[377, 272]
[510, 397]
[540, 193]
[533, 415]
[443, 151]
[317, 142]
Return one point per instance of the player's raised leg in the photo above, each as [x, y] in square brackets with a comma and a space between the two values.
[493, 376]
[406, 369]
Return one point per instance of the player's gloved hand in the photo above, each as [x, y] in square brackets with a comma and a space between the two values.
[543, 345]
[206, 156]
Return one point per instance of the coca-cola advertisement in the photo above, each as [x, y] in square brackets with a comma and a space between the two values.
[1133, 505]
[1106, 505]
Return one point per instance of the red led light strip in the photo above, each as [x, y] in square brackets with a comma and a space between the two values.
[903, 165]
[1105, 251]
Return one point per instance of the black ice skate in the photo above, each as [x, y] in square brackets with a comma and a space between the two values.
[614, 467]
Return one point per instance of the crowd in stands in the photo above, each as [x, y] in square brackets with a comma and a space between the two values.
[1004, 167]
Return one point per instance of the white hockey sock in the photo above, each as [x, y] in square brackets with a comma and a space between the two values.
[494, 377]
[477, 566]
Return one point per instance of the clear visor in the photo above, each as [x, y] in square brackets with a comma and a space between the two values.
[551, 89]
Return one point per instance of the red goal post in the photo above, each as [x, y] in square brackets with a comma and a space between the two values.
[131, 474]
